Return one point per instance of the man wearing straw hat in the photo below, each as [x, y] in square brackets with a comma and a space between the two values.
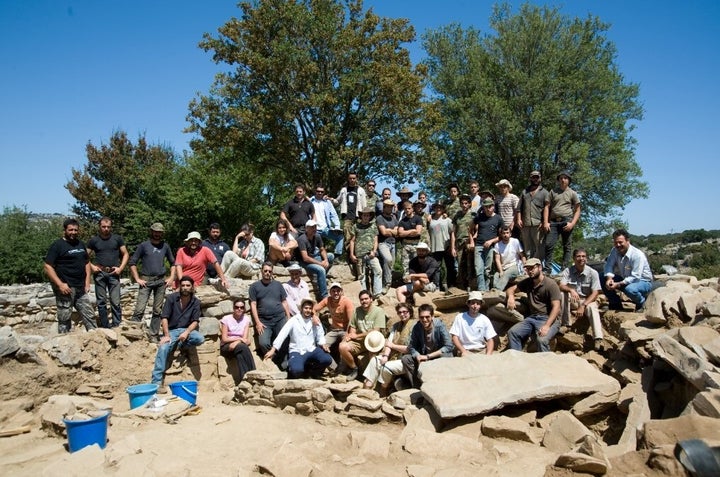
[367, 317]
[179, 323]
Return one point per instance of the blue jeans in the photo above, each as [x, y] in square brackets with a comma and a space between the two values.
[520, 332]
[320, 273]
[164, 350]
[501, 281]
[637, 292]
[314, 362]
[108, 284]
[336, 236]
[386, 253]
[483, 262]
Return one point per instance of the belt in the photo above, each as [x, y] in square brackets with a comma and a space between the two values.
[559, 219]
[106, 269]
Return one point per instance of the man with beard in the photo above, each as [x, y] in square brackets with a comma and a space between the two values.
[544, 304]
[152, 254]
[387, 225]
[296, 289]
[217, 246]
[180, 321]
[111, 256]
[530, 216]
[366, 318]
[68, 267]
[627, 270]
[298, 210]
[269, 308]
[313, 258]
[193, 259]
[461, 243]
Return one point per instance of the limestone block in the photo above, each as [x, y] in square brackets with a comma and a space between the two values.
[209, 326]
[295, 385]
[661, 432]
[364, 415]
[705, 403]
[563, 432]
[424, 444]
[370, 444]
[480, 384]
[511, 428]
[639, 330]
[291, 399]
[9, 343]
[682, 359]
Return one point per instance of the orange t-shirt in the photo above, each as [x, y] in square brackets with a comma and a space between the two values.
[340, 312]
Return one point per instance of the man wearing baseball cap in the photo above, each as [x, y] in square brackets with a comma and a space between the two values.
[423, 274]
[471, 331]
[152, 255]
[544, 299]
[313, 258]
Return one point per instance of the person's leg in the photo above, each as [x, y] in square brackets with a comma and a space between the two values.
[450, 269]
[410, 368]
[362, 266]
[374, 265]
[85, 308]
[543, 342]
[390, 369]
[114, 289]
[143, 297]
[528, 241]
[195, 338]
[372, 372]
[637, 292]
[320, 277]
[101, 298]
[518, 334]
[593, 315]
[317, 361]
[488, 256]
[63, 304]
[479, 268]
[614, 301]
[339, 239]
[265, 338]
[550, 241]
[158, 299]
[244, 358]
[567, 248]
[296, 365]
[387, 258]
[345, 349]
[161, 357]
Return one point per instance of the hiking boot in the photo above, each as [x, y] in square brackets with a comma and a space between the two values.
[352, 375]
[400, 384]
[598, 345]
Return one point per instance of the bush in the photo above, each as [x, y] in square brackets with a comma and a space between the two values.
[28, 238]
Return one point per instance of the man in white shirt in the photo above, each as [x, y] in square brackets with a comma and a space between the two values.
[627, 270]
[308, 352]
[509, 258]
[328, 223]
[296, 288]
[472, 331]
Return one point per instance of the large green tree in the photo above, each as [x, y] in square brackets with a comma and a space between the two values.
[543, 92]
[312, 89]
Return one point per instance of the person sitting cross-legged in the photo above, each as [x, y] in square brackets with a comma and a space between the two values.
[366, 318]
[429, 339]
[308, 353]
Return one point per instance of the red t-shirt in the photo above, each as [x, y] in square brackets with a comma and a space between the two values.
[194, 265]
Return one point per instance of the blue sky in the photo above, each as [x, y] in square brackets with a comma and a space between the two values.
[75, 71]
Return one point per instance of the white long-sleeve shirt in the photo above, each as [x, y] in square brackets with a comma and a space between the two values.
[633, 266]
[304, 336]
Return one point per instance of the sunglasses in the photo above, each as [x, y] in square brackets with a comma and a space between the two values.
[239, 307]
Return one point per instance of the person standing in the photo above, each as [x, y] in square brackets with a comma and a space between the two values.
[409, 230]
[297, 211]
[364, 251]
[67, 265]
[529, 217]
[111, 257]
[506, 204]
[351, 199]
[180, 321]
[461, 243]
[485, 231]
[440, 231]
[328, 223]
[387, 224]
[269, 308]
[152, 254]
[452, 205]
[372, 196]
[216, 246]
[562, 215]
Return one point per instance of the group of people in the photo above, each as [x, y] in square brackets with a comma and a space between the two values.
[458, 238]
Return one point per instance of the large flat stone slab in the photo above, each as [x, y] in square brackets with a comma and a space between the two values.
[479, 384]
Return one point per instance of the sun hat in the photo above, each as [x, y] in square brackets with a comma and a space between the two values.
[307, 300]
[422, 245]
[157, 227]
[374, 341]
[504, 182]
[405, 190]
[475, 295]
[294, 268]
[193, 235]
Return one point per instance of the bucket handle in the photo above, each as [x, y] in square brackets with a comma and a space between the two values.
[188, 391]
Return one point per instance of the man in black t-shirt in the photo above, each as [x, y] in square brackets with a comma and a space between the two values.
[111, 256]
[312, 256]
[68, 268]
[298, 210]
[269, 308]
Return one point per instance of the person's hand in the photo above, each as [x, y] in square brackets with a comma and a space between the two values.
[383, 359]
[259, 327]
[164, 340]
[464, 353]
[544, 330]
[326, 348]
[510, 302]
[470, 245]
[269, 354]
[545, 226]
[325, 264]
[487, 244]
[580, 312]
[224, 283]
[519, 224]
[574, 295]
[568, 227]
[353, 258]
[183, 336]
[315, 320]
[423, 357]
[64, 288]
[142, 283]
[453, 252]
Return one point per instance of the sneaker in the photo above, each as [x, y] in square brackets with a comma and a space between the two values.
[385, 289]
[352, 375]
[598, 345]
[213, 281]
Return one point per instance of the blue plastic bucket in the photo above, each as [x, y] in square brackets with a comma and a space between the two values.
[140, 394]
[86, 433]
[186, 390]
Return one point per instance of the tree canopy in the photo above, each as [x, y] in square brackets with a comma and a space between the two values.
[542, 93]
[312, 89]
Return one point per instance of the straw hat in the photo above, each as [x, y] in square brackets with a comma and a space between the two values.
[374, 341]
